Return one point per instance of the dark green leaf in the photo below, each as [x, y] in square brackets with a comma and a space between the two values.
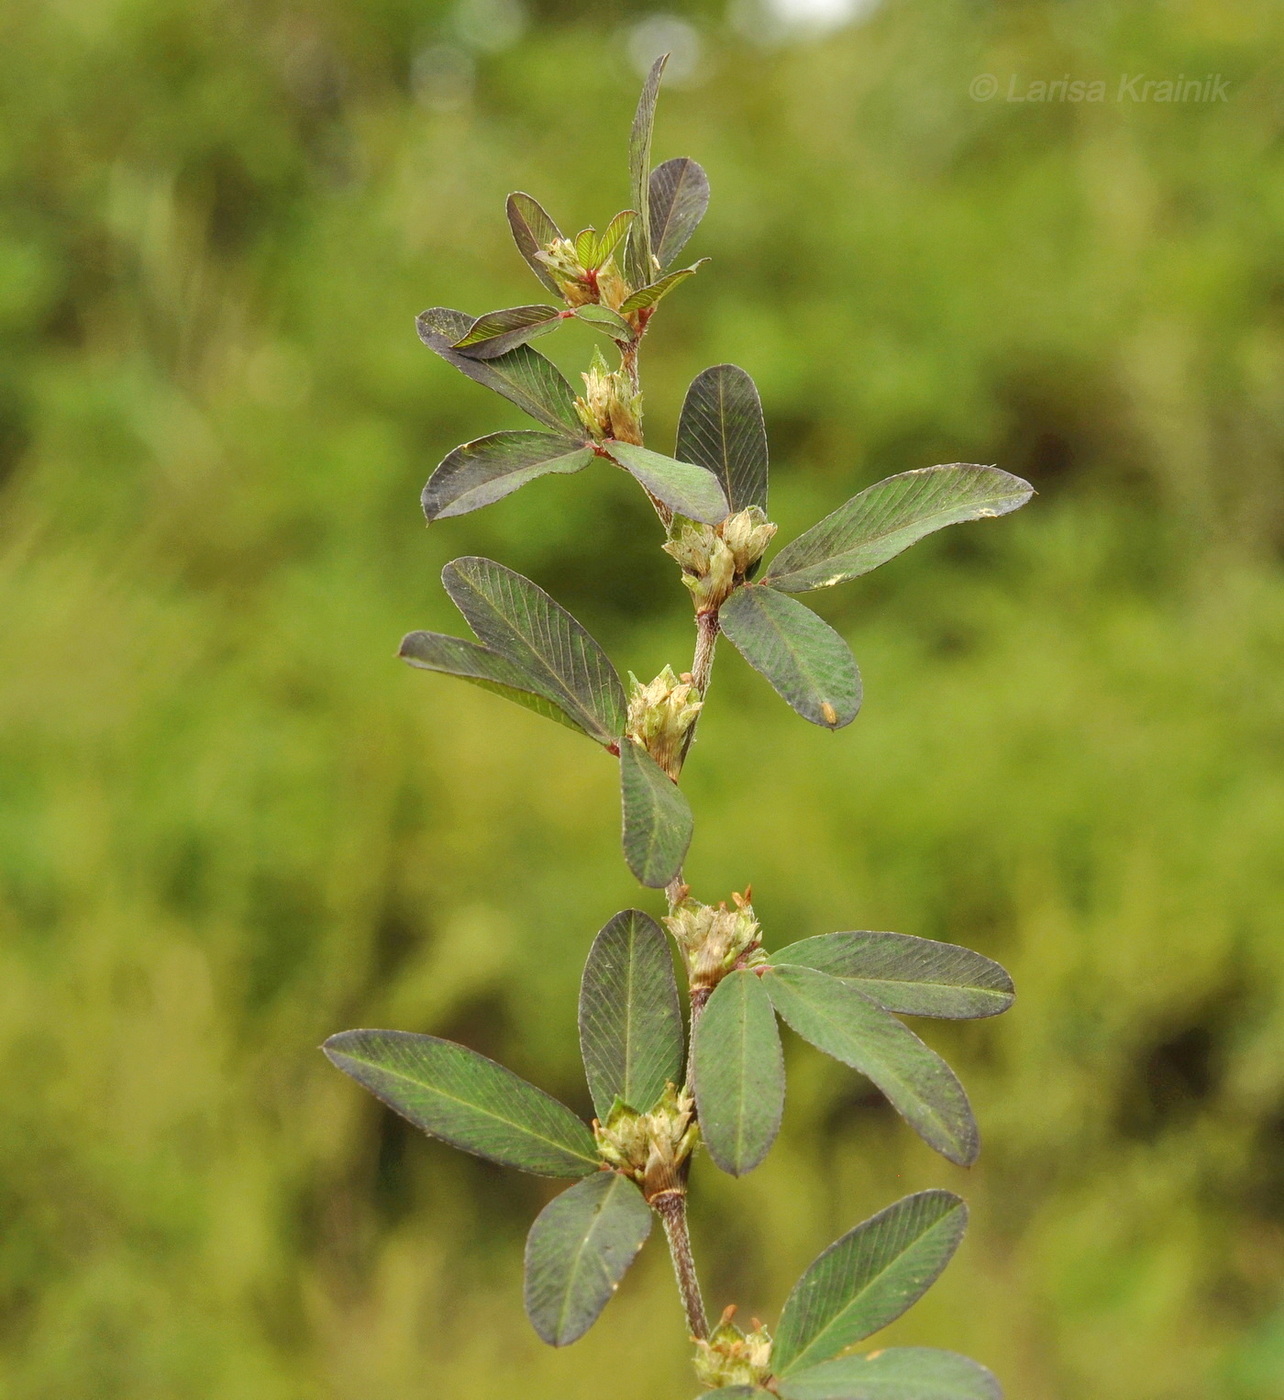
[630, 1017]
[807, 663]
[682, 486]
[739, 1073]
[868, 1278]
[653, 291]
[639, 265]
[846, 1024]
[721, 428]
[888, 517]
[604, 319]
[452, 656]
[523, 376]
[533, 231]
[911, 976]
[679, 195]
[657, 817]
[497, 332]
[899, 1373]
[734, 1392]
[512, 615]
[578, 1250]
[455, 1094]
[492, 467]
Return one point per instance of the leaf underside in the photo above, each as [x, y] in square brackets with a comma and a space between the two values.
[497, 332]
[639, 265]
[486, 470]
[657, 817]
[722, 429]
[604, 319]
[461, 1097]
[532, 231]
[684, 487]
[911, 976]
[679, 196]
[739, 1073]
[578, 1250]
[868, 1278]
[804, 660]
[843, 1022]
[630, 1018]
[659, 289]
[898, 1373]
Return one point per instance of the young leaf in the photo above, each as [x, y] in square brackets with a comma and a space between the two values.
[679, 195]
[911, 976]
[603, 318]
[653, 291]
[491, 467]
[846, 1024]
[512, 615]
[639, 264]
[578, 1250]
[585, 246]
[889, 516]
[463, 1098]
[657, 817]
[532, 230]
[807, 663]
[682, 486]
[491, 670]
[611, 236]
[630, 1018]
[868, 1278]
[739, 1073]
[899, 1373]
[523, 376]
[497, 332]
[721, 429]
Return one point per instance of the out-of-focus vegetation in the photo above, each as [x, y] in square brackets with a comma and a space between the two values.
[231, 823]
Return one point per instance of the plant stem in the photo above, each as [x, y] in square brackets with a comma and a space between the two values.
[672, 1209]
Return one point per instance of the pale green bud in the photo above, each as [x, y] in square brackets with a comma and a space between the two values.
[730, 1357]
[714, 941]
[717, 558]
[661, 714]
[609, 407]
[573, 279]
[747, 534]
[651, 1148]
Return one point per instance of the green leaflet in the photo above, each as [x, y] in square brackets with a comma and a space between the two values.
[806, 662]
[679, 194]
[497, 332]
[602, 318]
[654, 291]
[523, 376]
[532, 230]
[911, 976]
[734, 1392]
[846, 1024]
[868, 1278]
[889, 516]
[899, 1373]
[513, 616]
[657, 817]
[721, 429]
[606, 242]
[739, 1073]
[682, 486]
[639, 264]
[630, 1017]
[578, 1250]
[492, 467]
[455, 1094]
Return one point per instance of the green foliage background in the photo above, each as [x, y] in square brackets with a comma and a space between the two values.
[231, 823]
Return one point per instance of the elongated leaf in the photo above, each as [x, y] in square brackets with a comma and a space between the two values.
[734, 1392]
[533, 231]
[611, 237]
[492, 467]
[911, 976]
[654, 291]
[639, 264]
[603, 318]
[512, 615]
[868, 1278]
[739, 1073]
[585, 246]
[846, 1024]
[452, 656]
[657, 817]
[578, 1250]
[497, 332]
[682, 486]
[721, 428]
[899, 1373]
[630, 1018]
[455, 1094]
[523, 376]
[889, 516]
[806, 662]
[679, 195]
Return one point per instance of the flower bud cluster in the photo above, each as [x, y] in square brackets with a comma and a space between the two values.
[609, 407]
[731, 1358]
[661, 714]
[715, 559]
[580, 285]
[651, 1148]
[715, 941]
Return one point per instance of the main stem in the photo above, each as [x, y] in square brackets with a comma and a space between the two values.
[672, 1209]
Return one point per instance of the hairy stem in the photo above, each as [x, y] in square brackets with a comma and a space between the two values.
[672, 1209]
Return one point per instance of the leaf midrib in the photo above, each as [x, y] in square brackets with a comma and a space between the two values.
[581, 1248]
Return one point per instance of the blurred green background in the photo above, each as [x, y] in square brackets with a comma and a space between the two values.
[231, 823]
